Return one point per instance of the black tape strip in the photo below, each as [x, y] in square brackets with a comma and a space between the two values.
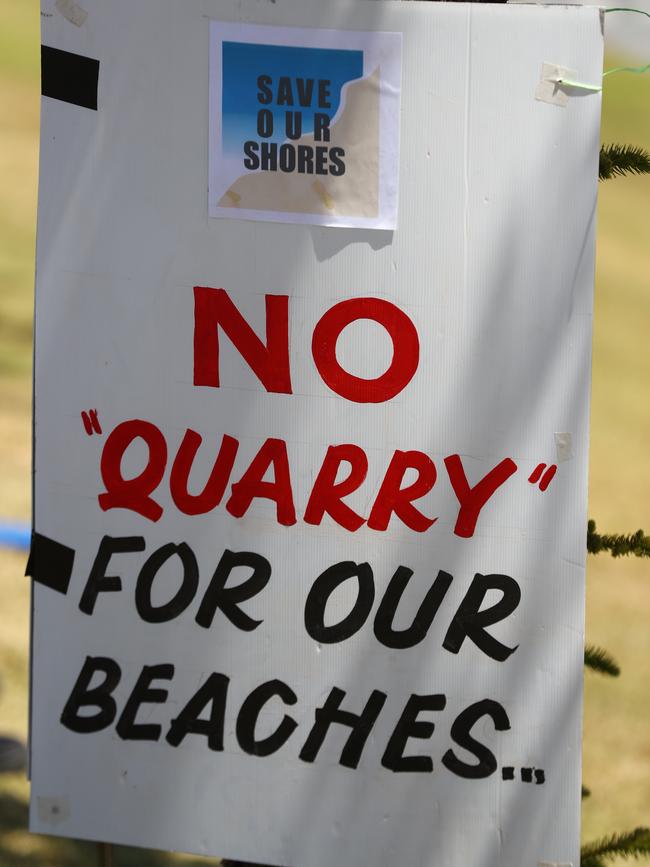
[50, 563]
[69, 77]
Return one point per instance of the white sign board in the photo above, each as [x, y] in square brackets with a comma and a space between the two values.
[310, 501]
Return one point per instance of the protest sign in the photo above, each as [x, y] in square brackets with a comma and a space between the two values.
[310, 499]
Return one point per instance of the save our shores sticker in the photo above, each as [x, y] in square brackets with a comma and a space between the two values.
[304, 125]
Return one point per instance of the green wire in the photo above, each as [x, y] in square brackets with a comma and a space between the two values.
[638, 69]
[580, 85]
[594, 88]
[627, 9]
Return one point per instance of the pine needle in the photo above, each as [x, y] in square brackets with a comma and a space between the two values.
[618, 160]
[633, 844]
[599, 660]
[618, 545]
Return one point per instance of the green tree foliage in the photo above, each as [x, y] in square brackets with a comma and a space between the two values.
[599, 660]
[618, 545]
[632, 845]
[617, 160]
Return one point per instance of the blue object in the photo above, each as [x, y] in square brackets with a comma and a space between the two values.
[15, 534]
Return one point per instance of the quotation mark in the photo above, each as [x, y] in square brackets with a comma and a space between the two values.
[91, 422]
[544, 479]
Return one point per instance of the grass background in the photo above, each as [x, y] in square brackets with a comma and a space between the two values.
[617, 733]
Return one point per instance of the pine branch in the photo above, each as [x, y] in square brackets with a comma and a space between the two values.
[618, 160]
[634, 844]
[637, 543]
[599, 660]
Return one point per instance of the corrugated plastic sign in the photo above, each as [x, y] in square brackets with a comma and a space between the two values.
[313, 330]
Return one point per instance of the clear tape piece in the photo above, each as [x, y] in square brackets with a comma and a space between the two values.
[549, 88]
[71, 10]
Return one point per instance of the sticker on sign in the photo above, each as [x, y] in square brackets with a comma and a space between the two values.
[304, 125]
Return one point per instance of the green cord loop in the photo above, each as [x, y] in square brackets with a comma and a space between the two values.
[639, 70]
[627, 9]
